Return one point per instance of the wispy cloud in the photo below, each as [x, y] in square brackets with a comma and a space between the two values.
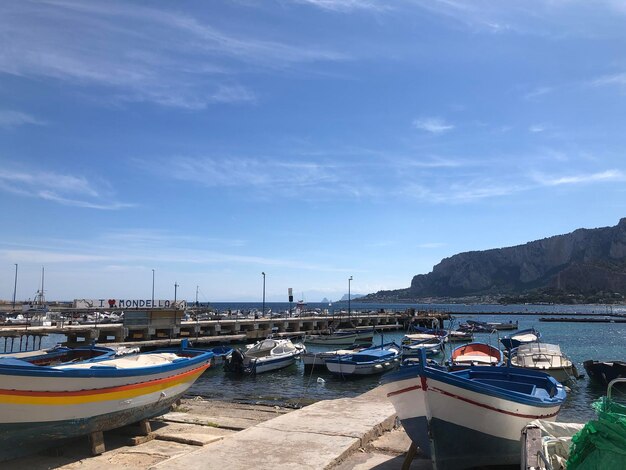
[617, 79]
[603, 176]
[10, 119]
[431, 245]
[537, 92]
[536, 128]
[141, 53]
[433, 125]
[346, 5]
[68, 190]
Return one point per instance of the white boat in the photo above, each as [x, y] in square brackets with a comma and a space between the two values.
[318, 359]
[340, 337]
[374, 360]
[545, 358]
[412, 344]
[263, 356]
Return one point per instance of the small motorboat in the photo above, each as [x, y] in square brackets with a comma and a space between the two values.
[341, 337]
[475, 354]
[471, 417]
[475, 326]
[318, 359]
[412, 344]
[603, 372]
[546, 358]
[529, 335]
[43, 404]
[374, 360]
[220, 353]
[263, 356]
[458, 336]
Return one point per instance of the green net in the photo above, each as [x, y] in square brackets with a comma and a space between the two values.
[601, 444]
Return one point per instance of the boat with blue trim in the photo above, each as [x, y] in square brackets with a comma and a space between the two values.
[471, 417]
[529, 335]
[369, 361]
[41, 404]
[341, 337]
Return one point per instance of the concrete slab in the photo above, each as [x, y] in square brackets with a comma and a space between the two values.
[375, 461]
[257, 448]
[394, 442]
[190, 434]
[315, 437]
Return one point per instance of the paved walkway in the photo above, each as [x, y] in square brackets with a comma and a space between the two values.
[318, 436]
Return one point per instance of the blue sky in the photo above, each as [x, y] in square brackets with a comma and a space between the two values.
[312, 140]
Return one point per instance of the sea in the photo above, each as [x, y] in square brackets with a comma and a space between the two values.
[295, 387]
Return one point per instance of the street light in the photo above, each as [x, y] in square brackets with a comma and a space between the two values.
[175, 289]
[263, 313]
[349, 309]
[15, 286]
[152, 304]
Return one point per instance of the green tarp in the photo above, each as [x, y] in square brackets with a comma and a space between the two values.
[601, 444]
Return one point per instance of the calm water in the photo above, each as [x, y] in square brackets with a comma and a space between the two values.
[291, 386]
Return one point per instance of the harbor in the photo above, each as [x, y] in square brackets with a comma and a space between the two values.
[314, 397]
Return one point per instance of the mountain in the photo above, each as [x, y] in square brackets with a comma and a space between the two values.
[352, 297]
[586, 262]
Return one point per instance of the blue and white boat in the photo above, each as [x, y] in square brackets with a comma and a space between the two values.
[529, 335]
[374, 360]
[220, 353]
[472, 417]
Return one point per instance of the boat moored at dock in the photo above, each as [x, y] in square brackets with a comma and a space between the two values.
[263, 356]
[370, 361]
[475, 354]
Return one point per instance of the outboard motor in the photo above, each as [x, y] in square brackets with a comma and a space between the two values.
[234, 362]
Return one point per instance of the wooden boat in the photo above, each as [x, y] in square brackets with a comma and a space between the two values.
[470, 417]
[374, 360]
[341, 337]
[546, 358]
[263, 356]
[61, 355]
[475, 354]
[604, 372]
[529, 335]
[43, 404]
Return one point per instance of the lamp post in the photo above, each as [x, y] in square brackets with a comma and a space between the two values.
[15, 286]
[263, 312]
[152, 304]
[175, 289]
[349, 309]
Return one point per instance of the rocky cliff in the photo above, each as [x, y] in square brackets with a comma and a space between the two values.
[585, 261]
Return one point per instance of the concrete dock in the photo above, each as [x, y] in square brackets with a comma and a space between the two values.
[342, 434]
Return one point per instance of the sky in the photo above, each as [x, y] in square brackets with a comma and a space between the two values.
[310, 140]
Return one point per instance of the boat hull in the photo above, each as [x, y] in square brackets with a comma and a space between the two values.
[268, 364]
[349, 368]
[47, 404]
[17, 439]
[332, 340]
[459, 424]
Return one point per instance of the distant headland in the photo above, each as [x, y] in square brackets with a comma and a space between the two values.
[584, 266]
